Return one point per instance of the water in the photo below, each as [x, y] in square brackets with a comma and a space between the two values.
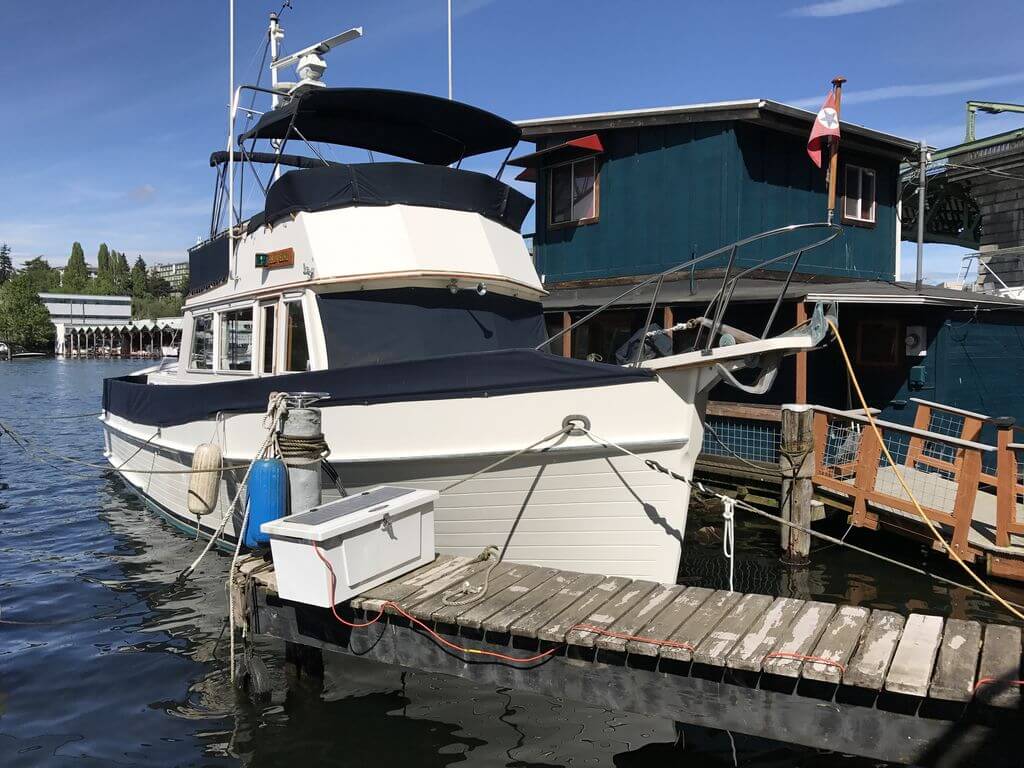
[144, 682]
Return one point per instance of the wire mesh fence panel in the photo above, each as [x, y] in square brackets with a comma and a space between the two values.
[933, 488]
[948, 424]
[747, 439]
[842, 445]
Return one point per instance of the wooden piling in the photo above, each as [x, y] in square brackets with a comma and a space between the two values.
[796, 461]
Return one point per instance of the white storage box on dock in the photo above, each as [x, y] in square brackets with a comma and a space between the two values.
[368, 538]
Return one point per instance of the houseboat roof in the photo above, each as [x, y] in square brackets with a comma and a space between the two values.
[810, 288]
[777, 114]
[414, 126]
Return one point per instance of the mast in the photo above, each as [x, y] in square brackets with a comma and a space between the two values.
[276, 34]
[231, 125]
[449, 50]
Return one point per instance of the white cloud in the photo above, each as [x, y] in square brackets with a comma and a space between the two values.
[842, 7]
[917, 90]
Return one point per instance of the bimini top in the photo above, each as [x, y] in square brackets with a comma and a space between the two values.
[414, 126]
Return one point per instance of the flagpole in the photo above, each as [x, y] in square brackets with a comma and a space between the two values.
[833, 148]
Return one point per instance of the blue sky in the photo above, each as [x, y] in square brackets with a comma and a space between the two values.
[113, 106]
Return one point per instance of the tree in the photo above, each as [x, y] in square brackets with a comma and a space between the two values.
[120, 274]
[39, 275]
[151, 307]
[76, 274]
[24, 320]
[6, 266]
[158, 286]
[139, 278]
[102, 261]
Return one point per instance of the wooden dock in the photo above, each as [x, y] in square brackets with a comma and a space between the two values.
[918, 689]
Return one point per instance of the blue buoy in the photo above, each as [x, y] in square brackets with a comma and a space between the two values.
[268, 499]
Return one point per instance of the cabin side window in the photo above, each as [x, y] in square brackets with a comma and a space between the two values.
[572, 192]
[201, 357]
[236, 340]
[859, 195]
[296, 345]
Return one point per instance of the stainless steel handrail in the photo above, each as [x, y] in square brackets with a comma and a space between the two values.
[834, 232]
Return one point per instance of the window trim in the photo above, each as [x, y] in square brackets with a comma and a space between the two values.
[282, 334]
[856, 220]
[192, 343]
[217, 351]
[263, 305]
[597, 193]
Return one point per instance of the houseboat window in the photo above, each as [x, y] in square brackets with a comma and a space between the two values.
[269, 315]
[878, 343]
[202, 343]
[859, 198]
[296, 347]
[236, 340]
[573, 192]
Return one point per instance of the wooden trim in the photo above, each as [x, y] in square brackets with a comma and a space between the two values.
[963, 502]
[915, 449]
[668, 319]
[868, 454]
[801, 359]
[1006, 488]
[567, 336]
[908, 430]
[747, 411]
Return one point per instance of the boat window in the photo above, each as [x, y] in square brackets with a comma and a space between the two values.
[236, 340]
[296, 348]
[573, 192]
[269, 315]
[202, 343]
[859, 195]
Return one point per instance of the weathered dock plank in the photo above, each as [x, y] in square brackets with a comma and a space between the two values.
[637, 617]
[958, 661]
[474, 618]
[436, 607]
[748, 654]
[798, 639]
[715, 648]
[609, 613]
[871, 660]
[558, 627]
[999, 672]
[410, 603]
[685, 602]
[531, 623]
[837, 644]
[403, 587]
[911, 667]
[502, 620]
[690, 633]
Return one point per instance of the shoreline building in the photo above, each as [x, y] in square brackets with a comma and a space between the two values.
[70, 310]
[176, 274]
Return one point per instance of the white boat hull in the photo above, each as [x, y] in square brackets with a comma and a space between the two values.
[571, 504]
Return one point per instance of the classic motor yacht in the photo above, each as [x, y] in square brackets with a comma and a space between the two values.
[404, 292]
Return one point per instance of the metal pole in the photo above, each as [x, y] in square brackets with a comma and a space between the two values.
[275, 38]
[833, 150]
[922, 189]
[449, 50]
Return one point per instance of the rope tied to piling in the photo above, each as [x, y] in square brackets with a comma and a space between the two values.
[729, 536]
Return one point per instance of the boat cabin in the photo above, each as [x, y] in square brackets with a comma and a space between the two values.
[357, 263]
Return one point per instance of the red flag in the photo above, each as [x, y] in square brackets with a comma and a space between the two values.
[825, 124]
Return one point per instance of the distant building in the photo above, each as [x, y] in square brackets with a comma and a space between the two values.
[74, 309]
[90, 270]
[176, 274]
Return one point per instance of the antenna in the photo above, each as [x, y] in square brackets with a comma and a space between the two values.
[308, 62]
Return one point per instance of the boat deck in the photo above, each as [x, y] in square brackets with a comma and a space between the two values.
[808, 672]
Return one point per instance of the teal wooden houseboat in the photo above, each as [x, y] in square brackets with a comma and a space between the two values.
[623, 195]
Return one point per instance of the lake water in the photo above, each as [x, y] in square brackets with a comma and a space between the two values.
[136, 672]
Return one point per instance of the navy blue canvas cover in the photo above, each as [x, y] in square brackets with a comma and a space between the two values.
[481, 374]
[367, 327]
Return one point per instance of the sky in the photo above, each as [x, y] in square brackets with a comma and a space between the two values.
[113, 106]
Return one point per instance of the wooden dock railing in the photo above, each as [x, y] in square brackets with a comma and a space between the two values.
[967, 480]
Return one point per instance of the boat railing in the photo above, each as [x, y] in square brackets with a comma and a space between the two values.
[712, 318]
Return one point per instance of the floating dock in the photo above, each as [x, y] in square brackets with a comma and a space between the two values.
[919, 689]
